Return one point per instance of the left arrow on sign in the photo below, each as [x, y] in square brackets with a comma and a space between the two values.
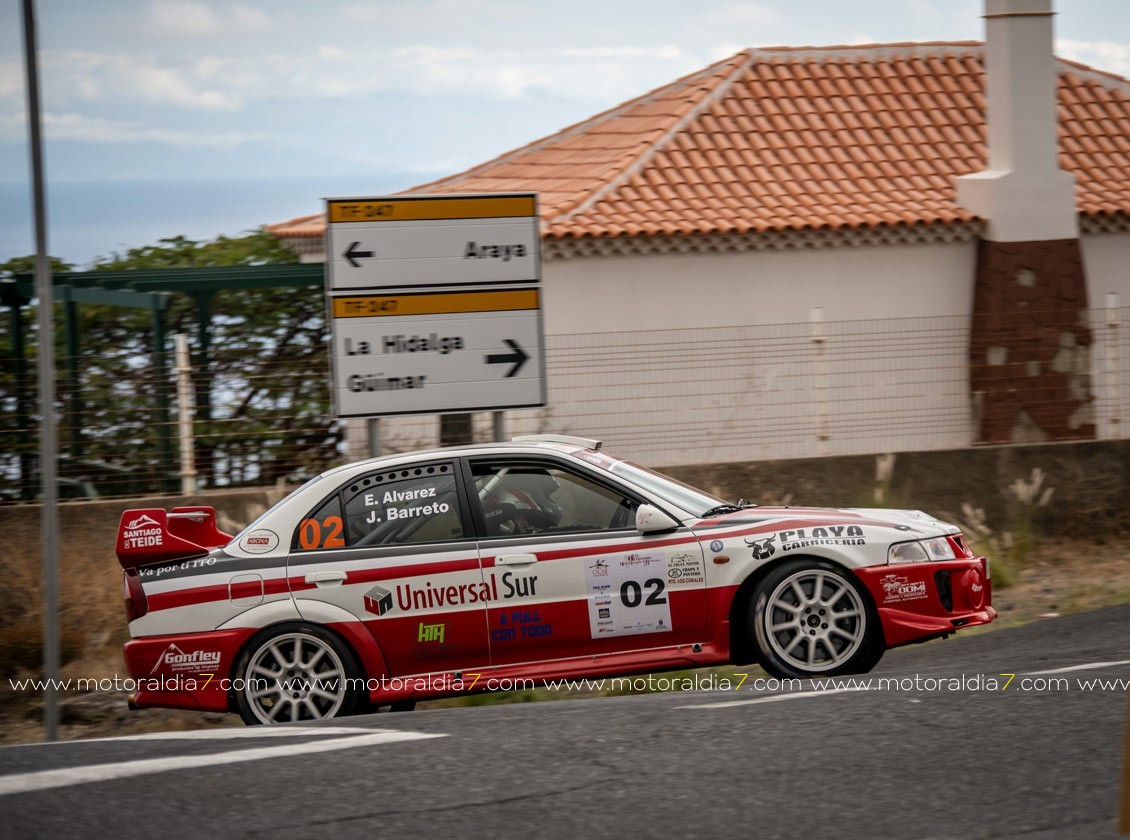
[517, 358]
[352, 254]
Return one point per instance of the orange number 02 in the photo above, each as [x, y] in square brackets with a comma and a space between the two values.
[325, 534]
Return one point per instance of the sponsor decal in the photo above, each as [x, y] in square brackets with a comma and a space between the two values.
[599, 568]
[716, 546]
[595, 458]
[685, 569]
[898, 588]
[182, 566]
[431, 633]
[378, 600]
[143, 532]
[763, 549]
[409, 597]
[260, 541]
[827, 535]
[520, 624]
[196, 662]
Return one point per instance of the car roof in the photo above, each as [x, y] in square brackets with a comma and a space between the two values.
[562, 444]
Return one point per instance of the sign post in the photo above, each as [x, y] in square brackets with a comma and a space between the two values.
[434, 304]
[1124, 818]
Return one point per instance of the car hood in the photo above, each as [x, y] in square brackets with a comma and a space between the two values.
[915, 523]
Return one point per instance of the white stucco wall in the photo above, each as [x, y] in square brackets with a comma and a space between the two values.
[673, 291]
[1106, 260]
[700, 358]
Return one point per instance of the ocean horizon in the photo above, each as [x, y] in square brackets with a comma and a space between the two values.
[91, 220]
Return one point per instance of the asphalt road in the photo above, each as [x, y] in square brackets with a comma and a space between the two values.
[929, 760]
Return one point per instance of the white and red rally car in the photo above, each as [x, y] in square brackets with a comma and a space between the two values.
[454, 570]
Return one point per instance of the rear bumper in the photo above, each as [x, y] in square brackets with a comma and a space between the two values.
[185, 671]
[917, 601]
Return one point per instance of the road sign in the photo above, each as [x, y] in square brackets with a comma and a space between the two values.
[449, 351]
[435, 304]
[429, 242]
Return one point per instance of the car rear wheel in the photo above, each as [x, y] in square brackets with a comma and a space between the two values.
[295, 672]
[811, 618]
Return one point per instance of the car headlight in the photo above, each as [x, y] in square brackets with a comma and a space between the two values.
[907, 552]
[939, 548]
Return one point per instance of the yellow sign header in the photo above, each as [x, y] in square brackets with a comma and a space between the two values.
[369, 306]
[420, 209]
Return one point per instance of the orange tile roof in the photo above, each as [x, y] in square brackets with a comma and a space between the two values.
[796, 137]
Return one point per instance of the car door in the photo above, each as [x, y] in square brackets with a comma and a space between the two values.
[392, 548]
[569, 573]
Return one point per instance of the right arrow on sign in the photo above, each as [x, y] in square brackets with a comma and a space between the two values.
[517, 358]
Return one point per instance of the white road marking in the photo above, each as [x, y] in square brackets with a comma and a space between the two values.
[774, 698]
[218, 734]
[1090, 666]
[46, 779]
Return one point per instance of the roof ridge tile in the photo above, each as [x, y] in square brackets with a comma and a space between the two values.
[720, 87]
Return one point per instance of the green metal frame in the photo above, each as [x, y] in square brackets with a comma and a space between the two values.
[141, 289]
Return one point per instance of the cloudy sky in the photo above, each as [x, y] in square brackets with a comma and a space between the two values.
[399, 91]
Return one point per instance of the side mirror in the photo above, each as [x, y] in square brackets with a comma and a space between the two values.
[650, 519]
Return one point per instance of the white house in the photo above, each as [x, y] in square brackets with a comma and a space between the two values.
[832, 250]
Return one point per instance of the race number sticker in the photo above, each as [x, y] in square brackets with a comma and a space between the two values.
[628, 594]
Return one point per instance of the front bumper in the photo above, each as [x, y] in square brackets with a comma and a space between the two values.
[917, 601]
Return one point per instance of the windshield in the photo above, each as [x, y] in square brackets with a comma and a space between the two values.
[688, 498]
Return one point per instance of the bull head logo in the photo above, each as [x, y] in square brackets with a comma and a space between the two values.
[762, 549]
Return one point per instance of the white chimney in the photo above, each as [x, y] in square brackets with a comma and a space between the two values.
[1024, 195]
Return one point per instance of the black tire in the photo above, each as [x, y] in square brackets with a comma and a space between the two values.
[295, 672]
[809, 618]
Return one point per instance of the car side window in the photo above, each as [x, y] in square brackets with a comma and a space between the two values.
[527, 498]
[321, 529]
[393, 507]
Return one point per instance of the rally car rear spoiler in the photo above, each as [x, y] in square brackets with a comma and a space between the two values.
[154, 535]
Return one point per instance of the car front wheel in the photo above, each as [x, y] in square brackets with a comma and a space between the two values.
[810, 619]
[295, 672]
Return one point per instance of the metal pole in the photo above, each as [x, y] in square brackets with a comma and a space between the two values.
[374, 425]
[161, 390]
[71, 324]
[1124, 820]
[816, 317]
[45, 358]
[204, 387]
[1113, 368]
[184, 416]
[499, 425]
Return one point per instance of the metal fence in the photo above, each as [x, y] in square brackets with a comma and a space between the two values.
[660, 397]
